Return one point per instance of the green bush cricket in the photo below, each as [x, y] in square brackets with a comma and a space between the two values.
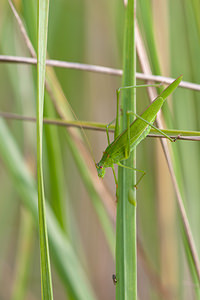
[128, 140]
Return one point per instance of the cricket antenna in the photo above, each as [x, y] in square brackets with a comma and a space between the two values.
[88, 143]
[83, 132]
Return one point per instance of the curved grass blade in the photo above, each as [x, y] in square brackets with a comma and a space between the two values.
[99, 194]
[42, 26]
[24, 255]
[173, 167]
[65, 259]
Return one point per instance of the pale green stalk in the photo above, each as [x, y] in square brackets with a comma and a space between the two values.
[126, 260]
[46, 281]
[94, 125]
[179, 48]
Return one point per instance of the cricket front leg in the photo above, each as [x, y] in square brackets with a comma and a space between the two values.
[107, 131]
[134, 169]
[116, 182]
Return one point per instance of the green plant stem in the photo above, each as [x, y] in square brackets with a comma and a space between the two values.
[92, 125]
[46, 281]
[126, 256]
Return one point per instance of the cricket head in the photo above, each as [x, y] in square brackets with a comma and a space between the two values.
[100, 170]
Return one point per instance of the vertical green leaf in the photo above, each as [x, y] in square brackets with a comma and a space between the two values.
[42, 26]
[126, 261]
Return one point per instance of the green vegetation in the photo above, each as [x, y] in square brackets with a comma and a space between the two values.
[155, 251]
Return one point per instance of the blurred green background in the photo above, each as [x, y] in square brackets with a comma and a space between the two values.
[92, 32]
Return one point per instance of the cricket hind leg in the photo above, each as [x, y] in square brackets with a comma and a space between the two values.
[138, 116]
[118, 94]
[127, 149]
[156, 128]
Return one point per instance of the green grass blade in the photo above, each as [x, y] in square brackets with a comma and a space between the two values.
[126, 260]
[179, 50]
[69, 268]
[55, 168]
[145, 15]
[187, 46]
[46, 281]
[74, 138]
[24, 256]
[92, 125]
